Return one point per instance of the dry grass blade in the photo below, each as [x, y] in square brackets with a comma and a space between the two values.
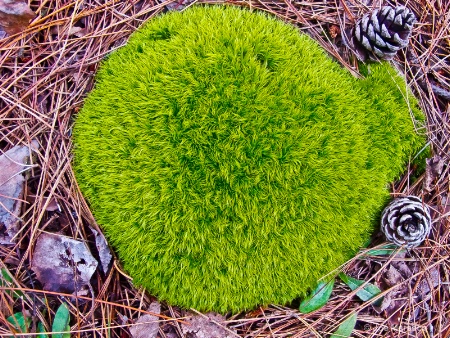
[46, 73]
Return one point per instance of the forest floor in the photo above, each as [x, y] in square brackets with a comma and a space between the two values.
[47, 67]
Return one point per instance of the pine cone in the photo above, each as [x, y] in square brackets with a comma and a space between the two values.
[406, 221]
[381, 33]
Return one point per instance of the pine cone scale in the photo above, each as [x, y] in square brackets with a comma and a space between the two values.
[385, 32]
[401, 42]
[366, 43]
[371, 32]
[407, 208]
[405, 218]
[379, 41]
[386, 13]
[376, 23]
[392, 219]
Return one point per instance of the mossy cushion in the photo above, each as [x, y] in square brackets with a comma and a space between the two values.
[232, 163]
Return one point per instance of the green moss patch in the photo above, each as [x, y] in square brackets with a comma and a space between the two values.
[231, 163]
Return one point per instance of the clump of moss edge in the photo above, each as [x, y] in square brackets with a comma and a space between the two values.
[232, 163]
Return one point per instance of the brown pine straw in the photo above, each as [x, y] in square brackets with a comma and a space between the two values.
[46, 73]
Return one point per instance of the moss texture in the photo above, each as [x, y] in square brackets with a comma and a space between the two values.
[232, 163]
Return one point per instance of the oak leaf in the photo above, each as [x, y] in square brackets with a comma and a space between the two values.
[147, 325]
[15, 16]
[13, 164]
[62, 264]
[209, 325]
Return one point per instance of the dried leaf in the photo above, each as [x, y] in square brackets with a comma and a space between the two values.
[52, 205]
[255, 313]
[12, 164]
[392, 277]
[346, 328]
[62, 264]
[148, 325]
[445, 204]
[368, 292]
[391, 304]
[14, 16]
[77, 31]
[318, 297]
[433, 171]
[209, 325]
[386, 303]
[402, 267]
[334, 31]
[430, 280]
[103, 250]
[179, 5]
[61, 321]
[394, 312]
[439, 91]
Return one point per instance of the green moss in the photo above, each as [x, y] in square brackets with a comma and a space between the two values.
[232, 163]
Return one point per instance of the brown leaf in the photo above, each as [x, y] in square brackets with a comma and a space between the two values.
[430, 280]
[51, 206]
[334, 31]
[255, 313]
[394, 311]
[206, 326]
[386, 303]
[14, 16]
[77, 31]
[433, 171]
[12, 164]
[392, 277]
[445, 203]
[103, 250]
[401, 266]
[62, 264]
[148, 325]
[179, 5]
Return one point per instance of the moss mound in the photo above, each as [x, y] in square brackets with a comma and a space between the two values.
[232, 163]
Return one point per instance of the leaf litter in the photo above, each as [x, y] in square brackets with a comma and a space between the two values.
[13, 164]
[209, 325]
[194, 325]
[103, 250]
[148, 325]
[62, 264]
[433, 171]
[401, 281]
[15, 16]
